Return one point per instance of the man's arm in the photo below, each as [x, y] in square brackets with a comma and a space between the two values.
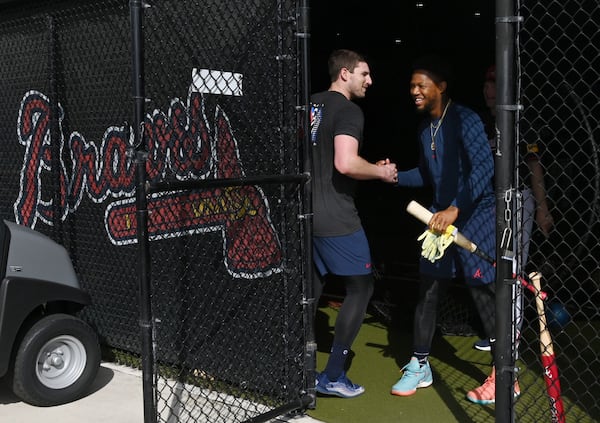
[542, 215]
[348, 162]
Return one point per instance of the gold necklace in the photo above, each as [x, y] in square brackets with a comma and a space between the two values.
[433, 129]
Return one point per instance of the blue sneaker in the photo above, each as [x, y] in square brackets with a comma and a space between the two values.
[415, 376]
[483, 345]
[342, 387]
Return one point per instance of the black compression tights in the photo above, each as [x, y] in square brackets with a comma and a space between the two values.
[359, 289]
[431, 291]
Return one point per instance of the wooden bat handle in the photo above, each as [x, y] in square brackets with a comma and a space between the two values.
[425, 215]
[546, 346]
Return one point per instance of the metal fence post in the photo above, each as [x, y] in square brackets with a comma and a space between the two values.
[136, 10]
[303, 35]
[506, 109]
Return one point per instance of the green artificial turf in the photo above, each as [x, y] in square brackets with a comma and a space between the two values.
[381, 350]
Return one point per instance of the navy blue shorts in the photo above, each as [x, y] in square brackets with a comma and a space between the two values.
[344, 255]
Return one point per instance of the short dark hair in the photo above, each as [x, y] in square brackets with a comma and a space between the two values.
[343, 58]
[436, 67]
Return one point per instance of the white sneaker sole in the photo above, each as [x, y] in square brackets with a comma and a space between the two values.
[409, 393]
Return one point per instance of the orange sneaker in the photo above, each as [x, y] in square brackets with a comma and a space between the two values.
[486, 393]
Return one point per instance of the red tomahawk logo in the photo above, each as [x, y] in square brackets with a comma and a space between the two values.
[251, 247]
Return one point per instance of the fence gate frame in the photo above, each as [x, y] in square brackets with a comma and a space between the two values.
[144, 188]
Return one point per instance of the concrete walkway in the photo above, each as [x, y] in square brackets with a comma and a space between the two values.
[116, 397]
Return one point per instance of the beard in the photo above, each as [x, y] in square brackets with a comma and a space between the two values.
[424, 109]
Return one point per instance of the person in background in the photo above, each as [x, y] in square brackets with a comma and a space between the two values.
[340, 244]
[531, 197]
[455, 159]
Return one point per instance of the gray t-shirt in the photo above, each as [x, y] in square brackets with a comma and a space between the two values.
[334, 210]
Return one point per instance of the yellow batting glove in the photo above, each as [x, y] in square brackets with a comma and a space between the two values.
[434, 244]
[446, 239]
[429, 246]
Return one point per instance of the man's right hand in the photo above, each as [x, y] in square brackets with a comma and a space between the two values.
[390, 173]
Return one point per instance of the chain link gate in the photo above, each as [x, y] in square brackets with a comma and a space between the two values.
[224, 210]
[558, 74]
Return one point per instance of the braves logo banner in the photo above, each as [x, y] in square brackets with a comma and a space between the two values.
[180, 143]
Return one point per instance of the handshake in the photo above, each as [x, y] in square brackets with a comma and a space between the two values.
[435, 243]
[389, 171]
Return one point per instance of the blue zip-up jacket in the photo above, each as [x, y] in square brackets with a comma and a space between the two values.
[460, 171]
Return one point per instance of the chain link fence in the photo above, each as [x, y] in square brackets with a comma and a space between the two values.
[226, 257]
[66, 102]
[222, 84]
[559, 69]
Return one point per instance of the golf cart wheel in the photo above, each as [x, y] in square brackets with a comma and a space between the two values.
[57, 361]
